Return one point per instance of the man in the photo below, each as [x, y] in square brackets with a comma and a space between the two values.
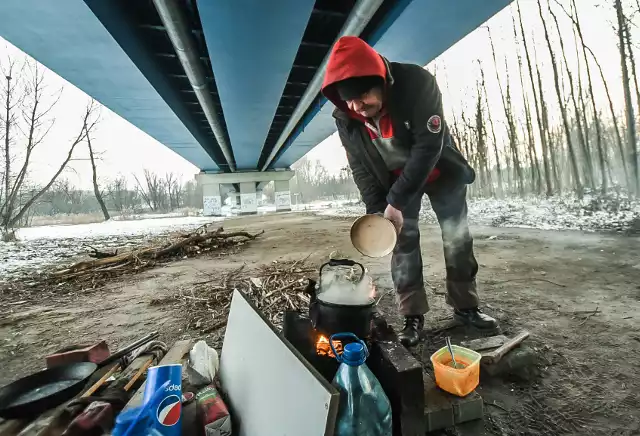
[390, 121]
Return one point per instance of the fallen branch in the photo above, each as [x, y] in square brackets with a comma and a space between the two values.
[528, 279]
[586, 318]
[105, 265]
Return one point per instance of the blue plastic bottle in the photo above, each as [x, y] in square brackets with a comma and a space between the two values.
[364, 408]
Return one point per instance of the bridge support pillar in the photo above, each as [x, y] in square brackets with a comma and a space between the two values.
[247, 183]
[283, 196]
[211, 199]
[248, 198]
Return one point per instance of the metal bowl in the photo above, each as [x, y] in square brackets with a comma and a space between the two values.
[373, 235]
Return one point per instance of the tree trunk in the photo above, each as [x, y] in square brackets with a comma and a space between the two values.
[511, 126]
[578, 117]
[6, 207]
[631, 121]
[38, 194]
[637, 89]
[543, 134]
[536, 177]
[563, 109]
[96, 188]
[493, 134]
[596, 118]
[482, 145]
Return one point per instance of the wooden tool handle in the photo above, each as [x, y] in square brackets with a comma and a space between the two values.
[99, 383]
[499, 353]
[142, 369]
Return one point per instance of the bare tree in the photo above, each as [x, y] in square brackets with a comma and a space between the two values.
[172, 186]
[121, 197]
[536, 177]
[624, 43]
[34, 124]
[96, 188]
[153, 192]
[512, 132]
[563, 109]
[493, 131]
[596, 113]
[543, 134]
[578, 117]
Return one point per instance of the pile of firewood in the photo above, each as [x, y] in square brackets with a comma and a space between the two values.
[273, 288]
[106, 265]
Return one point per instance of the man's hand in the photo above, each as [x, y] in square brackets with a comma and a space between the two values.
[395, 216]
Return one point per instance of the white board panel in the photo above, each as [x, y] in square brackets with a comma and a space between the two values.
[212, 205]
[248, 202]
[283, 199]
[272, 389]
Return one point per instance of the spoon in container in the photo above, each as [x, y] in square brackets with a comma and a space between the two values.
[453, 359]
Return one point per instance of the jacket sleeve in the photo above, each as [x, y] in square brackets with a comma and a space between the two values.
[428, 131]
[370, 190]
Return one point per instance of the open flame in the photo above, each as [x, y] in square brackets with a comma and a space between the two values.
[323, 348]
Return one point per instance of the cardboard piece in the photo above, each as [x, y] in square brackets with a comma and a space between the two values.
[271, 388]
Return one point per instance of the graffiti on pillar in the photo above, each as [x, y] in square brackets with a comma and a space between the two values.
[248, 202]
[283, 199]
[211, 205]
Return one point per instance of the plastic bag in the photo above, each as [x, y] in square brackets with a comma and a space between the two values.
[203, 364]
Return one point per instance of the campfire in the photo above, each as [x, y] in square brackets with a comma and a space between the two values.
[324, 349]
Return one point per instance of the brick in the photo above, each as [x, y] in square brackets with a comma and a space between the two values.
[95, 353]
[438, 410]
[468, 408]
[401, 377]
[445, 410]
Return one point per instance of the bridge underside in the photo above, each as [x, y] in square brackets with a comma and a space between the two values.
[228, 85]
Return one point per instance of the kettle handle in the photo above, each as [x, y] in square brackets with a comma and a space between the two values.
[341, 262]
[346, 336]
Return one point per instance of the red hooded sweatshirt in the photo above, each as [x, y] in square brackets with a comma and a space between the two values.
[353, 57]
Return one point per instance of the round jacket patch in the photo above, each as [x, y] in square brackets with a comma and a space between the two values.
[434, 124]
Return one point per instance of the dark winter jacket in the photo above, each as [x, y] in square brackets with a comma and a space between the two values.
[414, 103]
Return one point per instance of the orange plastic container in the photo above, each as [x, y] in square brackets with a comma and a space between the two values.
[460, 382]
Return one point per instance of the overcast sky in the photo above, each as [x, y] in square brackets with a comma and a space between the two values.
[126, 150]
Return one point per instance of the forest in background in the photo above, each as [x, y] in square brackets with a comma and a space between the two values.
[552, 137]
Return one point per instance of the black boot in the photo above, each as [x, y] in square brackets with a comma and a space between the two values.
[476, 319]
[410, 334]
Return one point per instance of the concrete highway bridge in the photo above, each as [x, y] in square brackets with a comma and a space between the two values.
[232, 86]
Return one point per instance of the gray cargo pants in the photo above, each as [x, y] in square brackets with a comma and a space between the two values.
[450, 206]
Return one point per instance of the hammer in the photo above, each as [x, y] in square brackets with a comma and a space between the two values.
[497, 354]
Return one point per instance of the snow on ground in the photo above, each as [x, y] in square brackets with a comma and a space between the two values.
[38, 248]
[556, 213]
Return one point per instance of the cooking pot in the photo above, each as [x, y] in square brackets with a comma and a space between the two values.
[329, 318]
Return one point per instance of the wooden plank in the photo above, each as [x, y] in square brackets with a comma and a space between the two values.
[482, 344]
[497, 354]
[272, 389]
[174, 355]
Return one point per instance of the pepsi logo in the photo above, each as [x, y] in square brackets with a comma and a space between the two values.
[169, 411]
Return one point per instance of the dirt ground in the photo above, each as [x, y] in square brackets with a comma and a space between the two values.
[578, 294]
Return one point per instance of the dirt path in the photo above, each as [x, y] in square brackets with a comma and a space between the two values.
[547, 282]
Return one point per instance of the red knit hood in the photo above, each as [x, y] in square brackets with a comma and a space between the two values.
[350, 57]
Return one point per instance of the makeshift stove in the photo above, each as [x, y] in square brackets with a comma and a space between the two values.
[417, 404]
[397, 370]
